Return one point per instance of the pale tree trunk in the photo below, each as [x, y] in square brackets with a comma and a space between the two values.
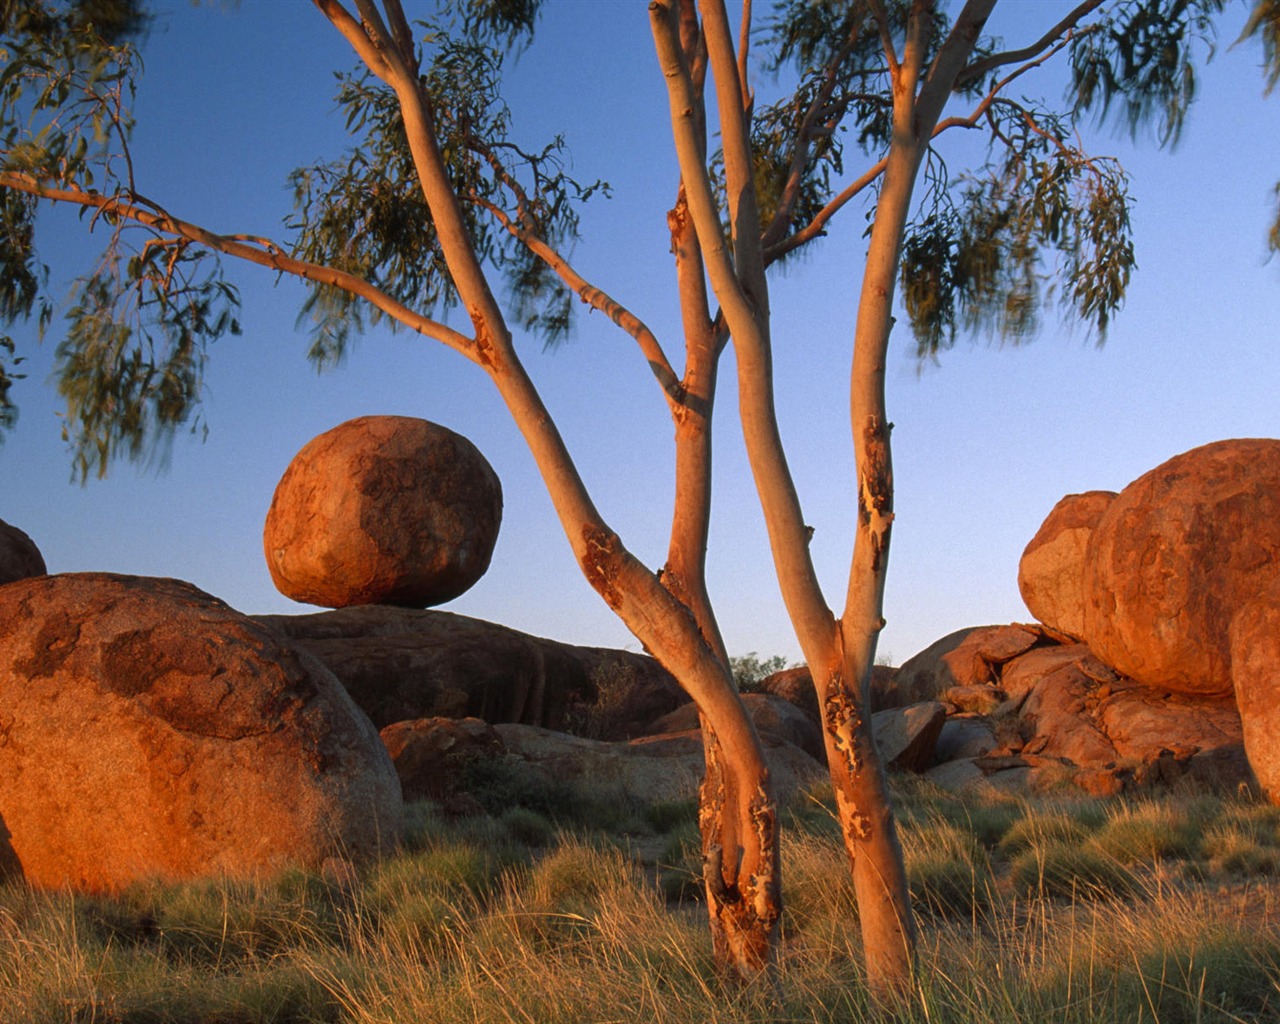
[737, 815]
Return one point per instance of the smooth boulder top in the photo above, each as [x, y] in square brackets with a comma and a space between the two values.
[152, 732]
[383, 510]
[20, 559]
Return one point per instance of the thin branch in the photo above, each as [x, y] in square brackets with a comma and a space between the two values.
[249, 248]
[402, 34]
[744, 45]
[980, 67]
[804, 137]
[354, 33]
[886, 35]
[596, 299]
[818, 225]
[994, 92]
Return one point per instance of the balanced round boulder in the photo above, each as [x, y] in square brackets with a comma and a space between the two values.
[1051, 571]
[383, 510]
[19, 556]
[1175, 556]
[148, 731]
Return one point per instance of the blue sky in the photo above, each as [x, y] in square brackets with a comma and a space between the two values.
[985, 443]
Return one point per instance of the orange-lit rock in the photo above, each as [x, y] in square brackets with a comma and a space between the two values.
[1255, 666]
[772, 715]
[147, 730]
[1175, 556]
[967, 657]
[383, 510]
[19, 556]
[1051, 571]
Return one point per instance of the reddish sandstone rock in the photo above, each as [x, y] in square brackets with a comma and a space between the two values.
[19, 556]
[150, 731]
[383, 510]
[1051, 571]
[906, 737]
[1177, 554]
[796, 685]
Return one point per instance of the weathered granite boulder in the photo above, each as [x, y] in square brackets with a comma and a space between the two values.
[967, 657]
[20, 559]
[150, 731]
[1255, 668]
[772, 715]
[1177, 554]
[400, 664]
[431, 754]
[647, 770]
[1051, 571]
[383, 510]
[906, 737]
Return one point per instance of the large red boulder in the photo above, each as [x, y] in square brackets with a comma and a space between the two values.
[383, 510]
[1051, 571]
[1255, 667]
[1175, 556]
[19, 556]
[148, 731]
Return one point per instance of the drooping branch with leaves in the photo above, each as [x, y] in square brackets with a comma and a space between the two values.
[437, 206]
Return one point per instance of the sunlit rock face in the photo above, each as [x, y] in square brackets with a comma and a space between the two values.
[1255, 670]
[383, 510]
[1175, 556]
[1051, 571]
[148, 731]
[19, 556]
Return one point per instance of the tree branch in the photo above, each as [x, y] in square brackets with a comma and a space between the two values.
[250, 248]
[354, 33]
[596, 299]
[980, 67]
[817, 226]
[402, 34]
[886, 35]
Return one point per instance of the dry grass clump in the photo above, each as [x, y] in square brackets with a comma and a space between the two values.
[1160, 911]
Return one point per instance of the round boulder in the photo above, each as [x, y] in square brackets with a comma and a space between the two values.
[1255, 667]
[148, 731]
[383, 510]
[1051, 571]
[19, 556]
[1175, 556]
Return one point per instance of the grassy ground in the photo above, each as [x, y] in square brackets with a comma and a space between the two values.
[565, 906]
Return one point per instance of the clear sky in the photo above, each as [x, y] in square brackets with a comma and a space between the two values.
[985, 442]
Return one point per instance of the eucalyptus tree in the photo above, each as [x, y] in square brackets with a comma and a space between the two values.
[437, 205]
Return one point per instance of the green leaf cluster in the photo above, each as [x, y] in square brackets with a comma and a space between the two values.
[131, 365]
[366, 214]
[1139, 60]
[988, 251]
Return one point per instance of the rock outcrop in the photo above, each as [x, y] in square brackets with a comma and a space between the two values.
[147, 730]
[400, 664]
[649, 769]
[773, 716]
[431, 754]
[1177, 554]
[1051, 571]
[20, 559]
[383, 510]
